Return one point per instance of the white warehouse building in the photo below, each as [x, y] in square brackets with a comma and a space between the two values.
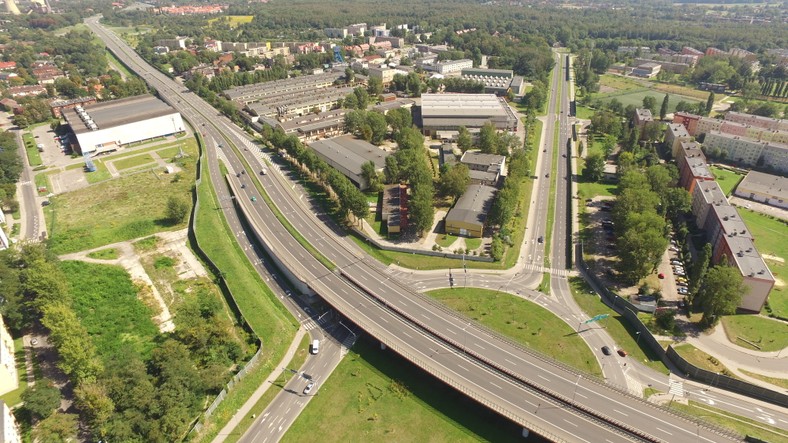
[108, 126]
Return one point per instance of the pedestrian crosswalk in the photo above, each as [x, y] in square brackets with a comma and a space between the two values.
[347, 343]
[311, 323]
[676, 387]
[551, 271]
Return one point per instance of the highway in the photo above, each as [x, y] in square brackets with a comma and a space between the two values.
[529, 389]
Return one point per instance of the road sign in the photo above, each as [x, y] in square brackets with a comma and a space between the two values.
[596, 318]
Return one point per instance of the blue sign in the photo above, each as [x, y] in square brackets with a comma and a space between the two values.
[596, 318]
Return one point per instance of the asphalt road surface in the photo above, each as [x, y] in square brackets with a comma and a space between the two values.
[544, 396]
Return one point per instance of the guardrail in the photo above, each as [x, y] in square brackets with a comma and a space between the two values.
[670, 356]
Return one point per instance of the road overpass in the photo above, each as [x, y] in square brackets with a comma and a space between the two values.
[530, 389]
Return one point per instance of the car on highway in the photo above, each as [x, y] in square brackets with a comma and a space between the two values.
[606, 350]
[254, 199]
[540, 239]
[547, 175]
[309, 387]
[243, 185]
[622, 352]
[263, 171]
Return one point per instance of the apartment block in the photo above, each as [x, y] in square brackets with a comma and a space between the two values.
[9, 429]
[674, 135]
[741, 253]
[643, 116]
[747, 151]
[689, 121]
[693, 170]
[757, 120]
[9, 379]
[705, 195]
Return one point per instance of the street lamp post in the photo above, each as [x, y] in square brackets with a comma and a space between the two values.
[637, 342]
[576, 384]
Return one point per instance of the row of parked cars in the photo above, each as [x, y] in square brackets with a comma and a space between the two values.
[679, 271]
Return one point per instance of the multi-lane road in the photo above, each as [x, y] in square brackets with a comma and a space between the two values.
[525, 387]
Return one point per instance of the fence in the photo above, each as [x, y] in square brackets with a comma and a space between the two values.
[671, 357]
[228, 296]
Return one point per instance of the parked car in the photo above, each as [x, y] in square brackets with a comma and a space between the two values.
[660, 275]
[606, 350]
[676, 262]
[622, 352]
[682, 290]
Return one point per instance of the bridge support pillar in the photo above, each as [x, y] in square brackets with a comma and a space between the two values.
[526, 432]
[382, 346]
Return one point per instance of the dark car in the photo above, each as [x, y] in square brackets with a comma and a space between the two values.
[540, 239]
[606, 350]
[622, 352]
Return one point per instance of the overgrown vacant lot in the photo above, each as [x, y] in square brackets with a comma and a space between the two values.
[105, 300]
[121, 209]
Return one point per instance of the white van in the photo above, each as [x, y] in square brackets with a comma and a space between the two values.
[315, 346]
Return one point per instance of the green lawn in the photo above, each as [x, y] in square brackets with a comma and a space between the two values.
[100, 174]
[781, 382]
[771, 239]
[105, 300]
[168, 153]
[105, 254]
[617, 326]
[527, 323]
[727, 179]
[33, 156]
[14, 397]
[445, 240]
[264, 313]
[701, 359]
[132, 162]
[115, 63]
[584, 113]
[42, 181]
[376, 396]
[127, 207]
[590, 189]
[635, 98]
[473, 243]
[769, 334]
[734, 422]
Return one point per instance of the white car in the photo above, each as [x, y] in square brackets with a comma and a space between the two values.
[309, 387]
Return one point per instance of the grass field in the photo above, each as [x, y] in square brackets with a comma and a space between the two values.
[117, 65]
[376, 395]
[31, 148]
[769, 334]
[129, 207]
[473, 243]
[524, 321]
[701, 359]
[584, 113]
[635, 98]
[771, 239]
[14, 397]
[233, 20]
[100, 174]
[168, 153]
[445, 240]
[590, 189]
[727, 179]
[264, 313]
[616, 325]
[133, 162]
[105, 300]
[42, 181]
[105, 254]
[736, 423]
[781, 382]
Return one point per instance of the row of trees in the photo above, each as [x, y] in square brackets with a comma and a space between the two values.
[350, 201]
[10, 170]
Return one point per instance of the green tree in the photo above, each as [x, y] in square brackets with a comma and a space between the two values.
[454, 180]
[92, 400]
[464, 141]
[641, 244]
[710, 103]
[698, 269]
[374, 86]
[350, 76]
[399, 118]
[378, 126]
[57, 427]
[488, 139]
[720, 293]
[369, 173]
[177, 209]
[42, 399]
[663, 110]
[650, 103]
[595, 167]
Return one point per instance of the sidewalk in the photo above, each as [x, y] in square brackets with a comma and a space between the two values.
[244, 410]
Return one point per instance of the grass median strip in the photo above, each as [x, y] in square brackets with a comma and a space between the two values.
[548, 235]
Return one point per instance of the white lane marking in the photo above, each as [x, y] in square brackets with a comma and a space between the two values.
[573, 424]
[496, 385]
[660, 429]
[616, 410]
[542, 377]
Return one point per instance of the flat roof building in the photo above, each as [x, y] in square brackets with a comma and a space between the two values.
[747, 151]
[9, 430]
[107, 126]
[692, 170]
[705, 195]
[447, 112]
[496, 81]
[347, 154]
[643, 116]
[9, 379]
[764, 188]
[485, 169]
[469, 215]
[756, 276]
[674, 135]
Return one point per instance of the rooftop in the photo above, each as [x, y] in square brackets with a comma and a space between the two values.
[678, 130]
[699, 168]
[748, 259]
[730, 221]
[760, 183]
[712, 193]
[350, 152]
[489, 161]
[118, 112]
[461, 105]
[644, 114]
[473, 206]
